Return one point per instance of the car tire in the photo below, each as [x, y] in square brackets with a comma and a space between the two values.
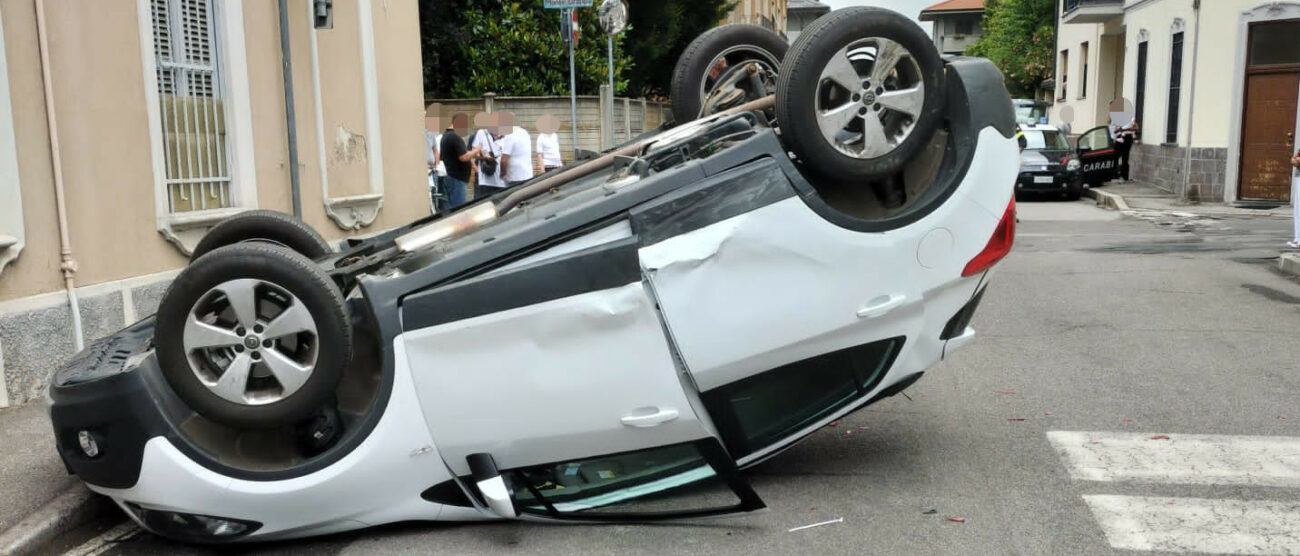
[265, 226]
[265, 313]
[1074, 192]
[735, 43]
[837, 52]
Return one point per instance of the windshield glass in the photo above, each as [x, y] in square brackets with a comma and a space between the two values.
[1046, 140]
[1030, 113]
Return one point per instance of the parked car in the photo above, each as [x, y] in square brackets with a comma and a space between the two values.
[1048, 165]
[1030, 111]
[612, 341]
[1095, 149]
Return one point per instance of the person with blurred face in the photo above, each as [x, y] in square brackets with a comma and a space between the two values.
[548, 143]
[433, 130]
[516, 151]
[457, 158]
[489, 156]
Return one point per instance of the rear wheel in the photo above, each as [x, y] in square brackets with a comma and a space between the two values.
[725, 67]
[859, 94]
[265, 226]
[253, 336]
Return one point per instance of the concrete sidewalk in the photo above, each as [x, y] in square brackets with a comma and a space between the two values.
[1138, 198]
[41, 500]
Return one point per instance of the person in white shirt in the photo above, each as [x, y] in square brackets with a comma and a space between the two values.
[516, 151]
[433, 140]
[548, 143]
[489, 183]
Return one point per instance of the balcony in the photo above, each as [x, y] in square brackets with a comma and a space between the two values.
[1090, 11]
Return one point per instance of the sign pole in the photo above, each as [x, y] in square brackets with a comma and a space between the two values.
[573, 86]
[609, 42]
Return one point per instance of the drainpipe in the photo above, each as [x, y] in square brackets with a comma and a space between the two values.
[1186, 194]
[291, 121]
[67, 264]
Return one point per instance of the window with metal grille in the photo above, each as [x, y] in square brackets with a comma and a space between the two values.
[195, 144]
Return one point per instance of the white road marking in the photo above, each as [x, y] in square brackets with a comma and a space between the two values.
[1188, 459]
[1198, 525]
[106, 541]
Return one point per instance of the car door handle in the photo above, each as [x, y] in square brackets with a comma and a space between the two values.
[649, 416]
[879, 306]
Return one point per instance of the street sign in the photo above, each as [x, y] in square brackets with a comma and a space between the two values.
[613, 16]
[565, 4]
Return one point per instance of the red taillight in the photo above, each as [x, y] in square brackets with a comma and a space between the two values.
[999, 245]
[1066, 161]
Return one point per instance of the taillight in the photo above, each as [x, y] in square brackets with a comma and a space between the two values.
[999, 245]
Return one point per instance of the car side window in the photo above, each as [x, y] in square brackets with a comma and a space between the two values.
[1095, 139]
[676, 479]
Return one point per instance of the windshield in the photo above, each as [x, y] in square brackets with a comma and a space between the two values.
[1051, 140]
[1030, 113]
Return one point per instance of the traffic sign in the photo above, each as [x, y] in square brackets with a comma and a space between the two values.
[565, 4]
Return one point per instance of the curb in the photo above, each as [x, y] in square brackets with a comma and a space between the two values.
[1106, 200]
[75, 507]
[1290, 263]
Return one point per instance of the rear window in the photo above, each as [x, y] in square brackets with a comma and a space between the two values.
[1046, 139]
[764, 409]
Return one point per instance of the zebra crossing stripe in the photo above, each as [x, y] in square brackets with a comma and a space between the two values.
[1188, 459]
[1198, 524]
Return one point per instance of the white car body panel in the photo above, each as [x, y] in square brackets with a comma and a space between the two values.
[379, 482]
[551, 382]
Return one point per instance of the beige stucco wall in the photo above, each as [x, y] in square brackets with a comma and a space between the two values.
[97, 74]
[1070, 38]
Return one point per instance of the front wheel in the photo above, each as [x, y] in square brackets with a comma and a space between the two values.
[264, 226]
[253, 336]
[859, 94]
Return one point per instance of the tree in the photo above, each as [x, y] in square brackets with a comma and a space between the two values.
[660, 32]
[1019, 37]
[515, 48]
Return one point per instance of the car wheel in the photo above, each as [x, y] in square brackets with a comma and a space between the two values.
[265, 226]
[714, 72]
[859, 94]
[1074, 192]
[253, 336]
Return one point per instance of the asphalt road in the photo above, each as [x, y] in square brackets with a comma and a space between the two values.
[1115, 328]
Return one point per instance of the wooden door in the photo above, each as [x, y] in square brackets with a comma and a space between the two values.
[1269, 116]
[1267, 136]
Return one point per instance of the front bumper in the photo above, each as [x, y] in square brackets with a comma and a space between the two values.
[1048, 181]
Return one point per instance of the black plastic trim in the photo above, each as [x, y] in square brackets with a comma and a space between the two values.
[598, 268]
[712, 452]
[757, 184]
[959, 321]
[448, 493]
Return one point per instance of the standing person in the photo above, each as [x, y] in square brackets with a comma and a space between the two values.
[1295, 201]
[548, 143]
[1124, 136]
[516, 151]
[433, 143]
[456, 157]
[487, 161]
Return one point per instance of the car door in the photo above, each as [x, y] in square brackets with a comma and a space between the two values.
[781, 317]
[1097, 155]
[551, 392]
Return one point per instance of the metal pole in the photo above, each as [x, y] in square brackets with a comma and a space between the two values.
[291, 121]
[573, 85]
[610, 44]
[1186, 194]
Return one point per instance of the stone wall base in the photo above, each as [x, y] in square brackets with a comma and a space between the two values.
[1163, 165]
[36, 332]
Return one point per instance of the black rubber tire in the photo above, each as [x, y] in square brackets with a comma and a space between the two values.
[286, 269]
[265, 226]
[800, 76]
[1074, 192]
[692, 66]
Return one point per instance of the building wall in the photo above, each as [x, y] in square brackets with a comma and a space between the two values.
[1080, 111]
[99, 93]
[767, 13]
[946, 37]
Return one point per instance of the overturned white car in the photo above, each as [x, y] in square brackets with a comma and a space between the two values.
[610, 341]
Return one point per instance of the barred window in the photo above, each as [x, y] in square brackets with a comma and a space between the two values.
[194, 128]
